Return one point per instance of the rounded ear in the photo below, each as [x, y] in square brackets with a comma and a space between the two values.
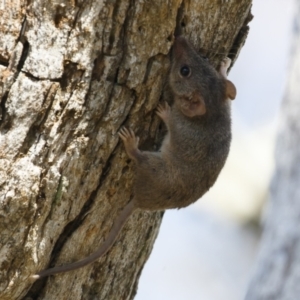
[230, 90]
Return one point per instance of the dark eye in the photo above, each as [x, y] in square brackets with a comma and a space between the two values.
[185, 71]
[205, 57]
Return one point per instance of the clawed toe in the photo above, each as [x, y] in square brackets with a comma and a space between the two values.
[163, 111]
[130, 142]
[128, 137]
[126, 134]
[161, 107]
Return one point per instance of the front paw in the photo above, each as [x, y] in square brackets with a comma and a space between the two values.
[131, 142]
[226, 62]
[164, 112]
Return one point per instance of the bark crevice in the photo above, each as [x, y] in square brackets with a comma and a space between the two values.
[77, 72]
[240, 38]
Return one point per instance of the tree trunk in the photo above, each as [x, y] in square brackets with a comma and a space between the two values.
[277, 273]
[72, 73]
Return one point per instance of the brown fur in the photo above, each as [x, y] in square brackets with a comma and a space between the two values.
[195, 149]
[193, 152]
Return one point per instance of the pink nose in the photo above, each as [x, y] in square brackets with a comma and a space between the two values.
[180, 46]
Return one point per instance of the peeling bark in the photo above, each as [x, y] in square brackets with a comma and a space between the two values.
[71, 74]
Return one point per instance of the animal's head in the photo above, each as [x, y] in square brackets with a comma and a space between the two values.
[199, 89]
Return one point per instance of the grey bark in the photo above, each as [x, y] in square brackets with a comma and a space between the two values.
[277, 273]
[71, 74]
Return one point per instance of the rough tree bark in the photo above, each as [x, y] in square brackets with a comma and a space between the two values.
[72, 73]
[277, 273]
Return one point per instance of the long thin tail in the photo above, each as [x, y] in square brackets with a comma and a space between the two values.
[112, 236]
